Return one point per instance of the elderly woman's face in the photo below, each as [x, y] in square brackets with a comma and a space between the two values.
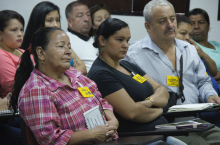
[100, 16]
[58, 54]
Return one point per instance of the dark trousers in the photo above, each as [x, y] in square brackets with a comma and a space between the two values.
[10, 133]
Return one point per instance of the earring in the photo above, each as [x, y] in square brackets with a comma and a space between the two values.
[102, 51]
[42, 62]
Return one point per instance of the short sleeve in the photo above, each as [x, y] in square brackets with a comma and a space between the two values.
[107, 83]
[7, 73]
[39, 112]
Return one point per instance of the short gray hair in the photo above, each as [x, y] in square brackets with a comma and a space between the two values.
[147, 12]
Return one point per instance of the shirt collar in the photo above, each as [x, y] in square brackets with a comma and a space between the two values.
[148, 43]
[53, 85]
[85, 38]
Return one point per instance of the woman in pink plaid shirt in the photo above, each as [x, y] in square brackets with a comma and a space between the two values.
[49, 100]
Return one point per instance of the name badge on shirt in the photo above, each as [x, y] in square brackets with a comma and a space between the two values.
[85, 92]
[173, 81]
[139, 78]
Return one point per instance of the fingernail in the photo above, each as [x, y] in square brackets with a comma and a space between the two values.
[106, 124]
[106, 134]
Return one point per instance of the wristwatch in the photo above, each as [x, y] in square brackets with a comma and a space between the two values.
[149, 98]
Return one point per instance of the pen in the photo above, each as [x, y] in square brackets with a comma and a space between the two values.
[191, 126]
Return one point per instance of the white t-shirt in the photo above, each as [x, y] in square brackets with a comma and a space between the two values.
[84, 49]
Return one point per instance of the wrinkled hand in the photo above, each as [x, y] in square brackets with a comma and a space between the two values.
[217, 77]
[200, 52]
[104, 133]
[76, 63]
[115, 124]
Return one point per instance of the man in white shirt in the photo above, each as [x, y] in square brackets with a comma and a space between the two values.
[159, 53]
[79, 25]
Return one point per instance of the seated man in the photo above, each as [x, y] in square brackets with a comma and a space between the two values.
[158, 54]
[79, 25]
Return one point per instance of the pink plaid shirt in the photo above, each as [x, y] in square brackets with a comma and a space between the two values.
[53, 110]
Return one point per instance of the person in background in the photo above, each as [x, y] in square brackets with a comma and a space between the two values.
[184, 32]
[159, 55]
[11, 37]
[47, 14]
[79, 24]
[99, 13]
[136, 104]
[48, 98]
[201, 25]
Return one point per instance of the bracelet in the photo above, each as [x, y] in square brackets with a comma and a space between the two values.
[149, 98]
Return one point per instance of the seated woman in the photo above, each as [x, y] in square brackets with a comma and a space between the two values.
[11, 37]
[48, 95]
[136, 98]
[184, 32]
[99, 13]
[200, 27]
[46, 14]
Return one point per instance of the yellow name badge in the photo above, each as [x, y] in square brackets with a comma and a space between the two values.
[85, 92]
[139, 78]
[173, 81]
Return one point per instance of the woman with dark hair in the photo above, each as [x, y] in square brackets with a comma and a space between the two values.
[99, 13]
[50, 95]
[200, 27]
[11, 37]
[136, 98]
[47, 14]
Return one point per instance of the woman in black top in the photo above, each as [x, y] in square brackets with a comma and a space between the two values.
[137, 105]
[137, 101]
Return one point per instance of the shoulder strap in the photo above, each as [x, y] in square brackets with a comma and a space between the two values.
[181, 87]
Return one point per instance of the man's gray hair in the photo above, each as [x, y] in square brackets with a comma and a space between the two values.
[148, 8]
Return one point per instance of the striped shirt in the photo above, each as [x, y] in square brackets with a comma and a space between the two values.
[53, 110]
[150, 58]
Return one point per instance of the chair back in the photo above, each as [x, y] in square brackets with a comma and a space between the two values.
[27, 135]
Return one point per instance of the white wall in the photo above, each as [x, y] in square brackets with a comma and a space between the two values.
[136, 23]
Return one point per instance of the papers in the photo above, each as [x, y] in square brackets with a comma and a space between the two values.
[93, 117]
[191, 107]
[176, 125]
